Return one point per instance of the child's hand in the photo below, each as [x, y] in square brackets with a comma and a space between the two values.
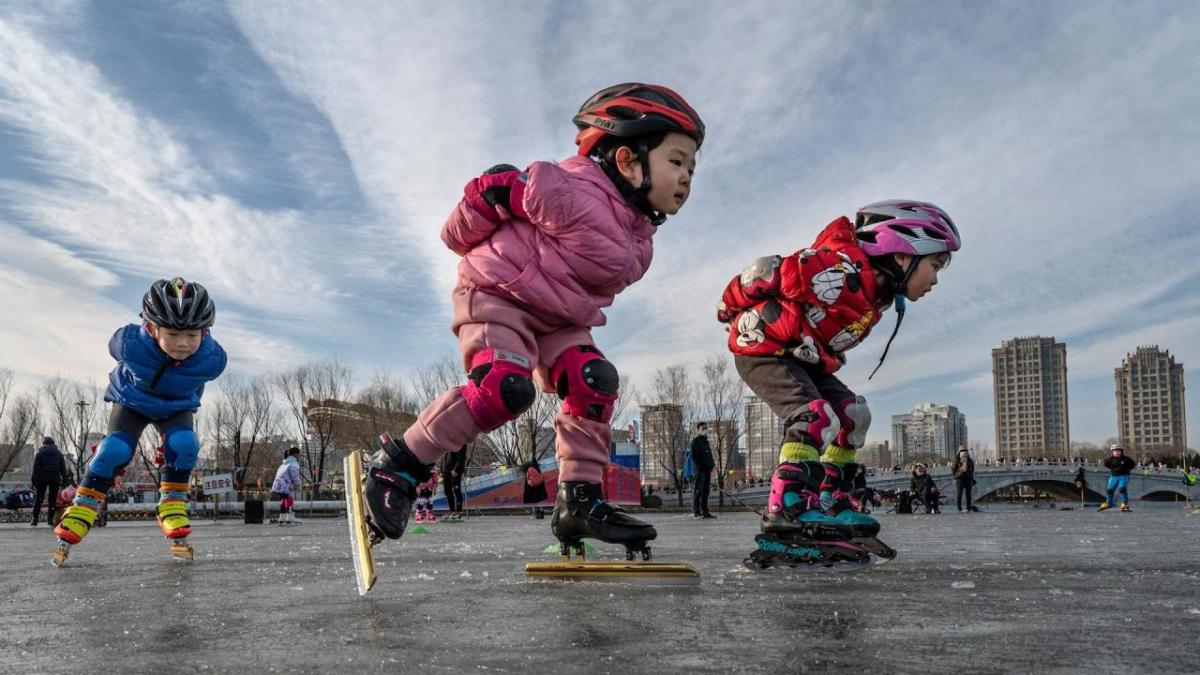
[498, 194]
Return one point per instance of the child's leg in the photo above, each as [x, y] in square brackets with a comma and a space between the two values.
[587, 383]
[498, 348]
[496, 339]
[1123, 487]
[180, 449]
[810, 422]
[838, 456]
[113, 454]
[1112, 488]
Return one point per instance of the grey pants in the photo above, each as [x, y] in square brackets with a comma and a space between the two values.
[787, 387]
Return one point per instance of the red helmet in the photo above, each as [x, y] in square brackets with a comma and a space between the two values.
[634, 109]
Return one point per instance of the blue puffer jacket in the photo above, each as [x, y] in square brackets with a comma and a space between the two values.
[148, 381]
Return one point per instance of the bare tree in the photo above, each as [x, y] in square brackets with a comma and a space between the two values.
[243, 419]
[316, 394]
[383, 405]
[437, 377]
[664, 440]
[74, 411]
[20, 423]
[721, 394]
[6, 384]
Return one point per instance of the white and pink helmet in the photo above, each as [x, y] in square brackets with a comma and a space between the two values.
[905, 226]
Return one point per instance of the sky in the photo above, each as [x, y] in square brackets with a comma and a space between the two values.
[299, 159]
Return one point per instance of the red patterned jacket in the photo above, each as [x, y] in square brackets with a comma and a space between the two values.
[814, 304]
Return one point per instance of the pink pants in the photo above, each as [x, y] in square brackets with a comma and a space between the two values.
[482, 321]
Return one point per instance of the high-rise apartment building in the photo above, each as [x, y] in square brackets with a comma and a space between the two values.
[1029, 383]
[931, 431]
[764, 434]
[1151, 414]
[663, 442]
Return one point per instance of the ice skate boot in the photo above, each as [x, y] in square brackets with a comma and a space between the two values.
[391, 488]
[1125, 508]
[419, 515]
[432, 517]
[837, 501]
[175, 526]
[581, 512]
[796, 533]
[1104, 506]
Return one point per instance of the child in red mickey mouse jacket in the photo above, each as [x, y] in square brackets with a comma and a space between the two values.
[791, 321]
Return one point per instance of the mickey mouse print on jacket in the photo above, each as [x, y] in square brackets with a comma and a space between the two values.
[815, 304]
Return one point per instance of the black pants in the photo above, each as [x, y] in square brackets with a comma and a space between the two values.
[42, 489]
[787, 387]
[452, 486]
[963, 485]
[700, 493]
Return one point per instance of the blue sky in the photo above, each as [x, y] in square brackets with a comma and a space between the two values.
[299, 160]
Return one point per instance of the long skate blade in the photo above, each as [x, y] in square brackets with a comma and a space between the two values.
[650, 573]
[876, 548]
[356, 516]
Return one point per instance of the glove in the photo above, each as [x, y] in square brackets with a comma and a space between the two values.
[724, 315]
[498, 194]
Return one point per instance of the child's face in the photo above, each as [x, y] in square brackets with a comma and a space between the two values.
[178, 344]
[925, 277]
[672, 164]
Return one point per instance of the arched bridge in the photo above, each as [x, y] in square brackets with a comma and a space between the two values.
[1056, 479]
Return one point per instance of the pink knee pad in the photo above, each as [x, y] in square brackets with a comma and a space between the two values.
[500, 388]
[586, 382]
[818, 420]
[855, 419]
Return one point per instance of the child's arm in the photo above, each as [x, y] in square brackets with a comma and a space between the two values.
[487, 201]
[766, 277]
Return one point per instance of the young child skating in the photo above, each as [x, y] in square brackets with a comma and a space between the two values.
[791, 321]
[424, 504]
[544, 251]
[287, 481]
[1119, 466]
[162, 367]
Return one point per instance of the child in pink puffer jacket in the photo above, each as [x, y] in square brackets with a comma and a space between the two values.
[544, 251]
[424, 504]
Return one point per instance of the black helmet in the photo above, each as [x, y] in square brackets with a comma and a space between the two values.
[178, 304]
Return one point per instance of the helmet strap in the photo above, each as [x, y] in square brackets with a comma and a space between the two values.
[639, 197]
[901, 301]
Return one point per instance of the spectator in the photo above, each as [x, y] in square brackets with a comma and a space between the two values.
[49, 474]
[535, 487]
[454, 465]
[702, 464]
[924, 489]
[964, 477]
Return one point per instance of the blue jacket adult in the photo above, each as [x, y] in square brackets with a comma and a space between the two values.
[148, 381]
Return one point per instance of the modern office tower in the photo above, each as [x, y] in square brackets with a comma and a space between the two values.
[663, 442]
[930, 431]
[764, 433]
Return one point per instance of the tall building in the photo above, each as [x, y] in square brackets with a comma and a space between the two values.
[764, 433]
[876, 454]
[1029, 383]
[1151, 415]
[663, 442]
[931, 430]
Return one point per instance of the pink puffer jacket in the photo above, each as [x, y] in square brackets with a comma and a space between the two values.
[581, 246]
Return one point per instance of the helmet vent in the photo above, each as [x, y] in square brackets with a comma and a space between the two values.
[624, 112]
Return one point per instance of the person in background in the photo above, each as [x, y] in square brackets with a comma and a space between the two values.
[49, 474]
[1119, 465]
[702, 467]
[964, 477]
[454, 465]
[287, 480]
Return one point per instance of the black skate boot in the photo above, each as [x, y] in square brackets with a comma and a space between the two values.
[392, 478]
[581, 512]
[796, 533]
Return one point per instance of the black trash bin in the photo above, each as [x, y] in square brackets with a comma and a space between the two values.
[253, 512]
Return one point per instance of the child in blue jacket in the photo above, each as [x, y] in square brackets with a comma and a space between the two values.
[162, 367]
